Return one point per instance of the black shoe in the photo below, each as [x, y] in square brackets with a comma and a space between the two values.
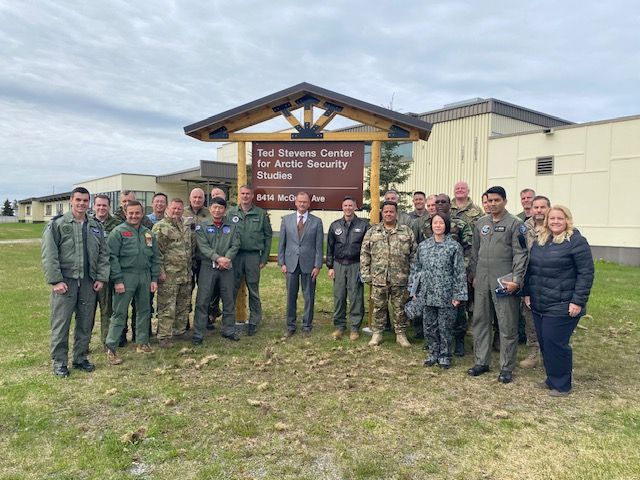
[85, 366]
[61, 371]
[232, 336]
[459, 350]
[251, 330]
[505, 376]
[196, 340]
[430, 362]
[477, 370]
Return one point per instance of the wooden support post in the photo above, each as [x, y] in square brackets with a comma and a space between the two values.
[241, 299]
[374, 188]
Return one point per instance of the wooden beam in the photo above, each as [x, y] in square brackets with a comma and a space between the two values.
[308, 115]
[374, 181]
[328, 136]
[366, 118]
[323, 120]
[291, 119]
[241, 300]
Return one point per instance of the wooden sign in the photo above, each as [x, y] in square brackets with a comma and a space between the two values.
[328, 171]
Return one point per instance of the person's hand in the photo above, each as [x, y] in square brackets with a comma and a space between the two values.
[97, 285]
[511, 287]
[119, 287]
[60, 288]
[455, 302]
[283, 269]
[153, 288]
[162, 277]
[527, 301]
[314, 273]
[224, 263]
[574, 310]
[332, 274]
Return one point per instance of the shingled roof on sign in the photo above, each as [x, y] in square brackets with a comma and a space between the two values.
[295, 97]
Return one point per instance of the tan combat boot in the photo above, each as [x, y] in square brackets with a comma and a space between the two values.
[112, 357]
[375, 340]
[337, 334]
[401, 339]
[144, 348]
[532, 360]
[354, 336]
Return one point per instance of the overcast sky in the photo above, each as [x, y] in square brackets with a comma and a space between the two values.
[89, 88]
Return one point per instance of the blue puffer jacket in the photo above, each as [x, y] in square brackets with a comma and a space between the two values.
[559, 274]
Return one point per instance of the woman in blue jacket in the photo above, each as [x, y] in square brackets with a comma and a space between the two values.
[557, 287]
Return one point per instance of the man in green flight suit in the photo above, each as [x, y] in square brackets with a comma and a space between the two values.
[218, 243]
[75, 260]
[255, 244]
[135, 267]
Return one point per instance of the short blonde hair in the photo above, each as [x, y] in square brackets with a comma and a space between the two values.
[545, 233]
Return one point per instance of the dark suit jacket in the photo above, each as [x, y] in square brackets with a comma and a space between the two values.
[306, 251]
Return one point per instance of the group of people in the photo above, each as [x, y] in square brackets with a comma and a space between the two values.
[446, 262]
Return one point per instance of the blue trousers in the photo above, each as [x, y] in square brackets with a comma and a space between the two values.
[554, 333]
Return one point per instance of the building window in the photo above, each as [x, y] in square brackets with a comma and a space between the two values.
[544, 166]
[28, 210]
[47, 209]
[60, 209]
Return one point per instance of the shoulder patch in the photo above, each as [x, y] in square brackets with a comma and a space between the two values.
[235, 219]
[522, 228]
[198, 228]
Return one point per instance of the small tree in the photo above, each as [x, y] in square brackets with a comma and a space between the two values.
[393, 172]
[7, 209]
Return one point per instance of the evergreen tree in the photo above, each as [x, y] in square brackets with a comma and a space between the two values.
[393, 172]
[7, 209]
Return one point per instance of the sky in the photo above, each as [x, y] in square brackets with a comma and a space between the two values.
[89, 89]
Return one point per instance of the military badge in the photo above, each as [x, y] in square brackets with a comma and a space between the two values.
[95, 231]
[198, 227]
[523, 229]
[148, 238]
[226, 230]
[235, 219]
[211, 229]
[67, 228]
[127, 234]
[485, 229]
[338, 231]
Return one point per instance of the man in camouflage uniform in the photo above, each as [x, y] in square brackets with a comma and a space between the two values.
[462, 206]
[403, 218]
[218, 243]
[75, 260]
[419, 204]
[540, 207]
[135, 266]
[176, 246]
[499, 250]
[255, 245]
[102, 206]
[387, 252]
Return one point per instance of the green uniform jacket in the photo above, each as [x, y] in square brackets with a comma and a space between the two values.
[191, 218]
[216, 242]
[386, 255]
[109, 223]
[133, 250]
[177, 247]
[63, 255]
[470, 212]
[255, 230]
[498, 248]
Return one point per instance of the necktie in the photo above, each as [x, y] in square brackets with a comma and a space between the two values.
[300, 225]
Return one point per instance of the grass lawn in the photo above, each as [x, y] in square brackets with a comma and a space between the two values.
[312, 408]
[14, 231]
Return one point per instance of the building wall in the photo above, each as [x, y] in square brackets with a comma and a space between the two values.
[596, 171]
[458, 150]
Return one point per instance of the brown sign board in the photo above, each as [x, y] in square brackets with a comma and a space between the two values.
[328, 171]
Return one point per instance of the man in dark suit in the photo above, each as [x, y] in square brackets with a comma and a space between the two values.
[300, 260]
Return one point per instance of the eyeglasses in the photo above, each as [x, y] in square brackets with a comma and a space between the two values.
[441, 201]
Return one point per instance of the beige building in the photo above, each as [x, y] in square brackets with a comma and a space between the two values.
[43, 209]
[592, 168]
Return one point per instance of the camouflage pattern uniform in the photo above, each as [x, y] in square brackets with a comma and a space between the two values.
[105, 296]
[470, 212]
[439, 270]
[385, 259]
[176, 246]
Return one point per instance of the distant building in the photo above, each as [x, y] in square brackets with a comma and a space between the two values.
[43, 209]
